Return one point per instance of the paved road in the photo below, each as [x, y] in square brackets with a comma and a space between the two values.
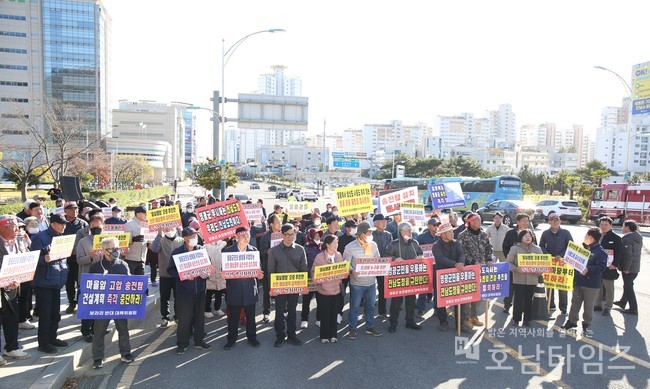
[614, 355]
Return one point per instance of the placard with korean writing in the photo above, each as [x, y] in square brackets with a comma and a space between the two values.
[412, 211]
[114, 228]
[373, 267]
[390, 203]
[455, 287]
[149, 235]
[243, 264]
[610, 256]
[446, 195]
[406, 278]
[331, 272]
[164, 217]
[276, 238]
[354, 199]
[534, 263]
[220, 220]
[61, 247]
[122, 238]
[560, 278]
[427, 251]
[193, 264]
[112, 296]
[289, 283]
[495, 280]
[107, 212]
[253, 212]
[576, 256]
[19, 267]
[298, 208]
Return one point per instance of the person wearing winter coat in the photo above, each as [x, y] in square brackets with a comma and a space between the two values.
[215, 284]
[328, 292]
[312, 248]
[523, 283]
[630, 266]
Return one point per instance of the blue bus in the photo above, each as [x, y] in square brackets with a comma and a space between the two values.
[482, 191]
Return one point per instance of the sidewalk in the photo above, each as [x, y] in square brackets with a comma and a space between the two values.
[42, 370]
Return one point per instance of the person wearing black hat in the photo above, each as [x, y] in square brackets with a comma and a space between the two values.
[137, 253]
[241, 293]
[117, 216]
[382, 238]
[49, 278]
[75, 224]
[430, 236]
[190, 295]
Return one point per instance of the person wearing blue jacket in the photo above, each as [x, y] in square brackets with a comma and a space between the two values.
[587, 283]
[49, 278]
[241, 293]
[190, 298]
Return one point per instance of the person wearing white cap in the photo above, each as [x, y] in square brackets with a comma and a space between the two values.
[26, 212]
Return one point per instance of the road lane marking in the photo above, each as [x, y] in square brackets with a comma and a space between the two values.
[326, 369]
[129, 374]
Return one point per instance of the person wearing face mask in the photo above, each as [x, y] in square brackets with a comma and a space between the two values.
[405, 247]
[86, 256]
[137, 253]
[346, 238]
[117, 216]
[27, 288]
[109, 262]
[75, 224]
[189, 213]
[312, 249]
[382, 238]
[165, 242]
[328, 212]
[587, 283]
[190, 295]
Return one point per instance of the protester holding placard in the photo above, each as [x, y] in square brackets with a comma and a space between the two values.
[555, 241]
[328, 292]
[164, 244]
[312, 249]
[362, 287]
[382, 238]
[137, 253]
[524, 283]
[110, 263]
[25, 297]
[510, 240]
[50, 277]
[405, 247]
[478, 250]
[588, 282]
[613, 246]
[10, 244]
[190, 298]
[215, 284]
[85, 258]
[275, 225]
[287, 257]
[449, 254]
[241, 293]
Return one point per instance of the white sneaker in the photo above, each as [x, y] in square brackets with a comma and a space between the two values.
[208, 315]
[3, 361]
[339, 318]
[266, 319]
[220, 313]
[15, 354]
[26, 325]
[318, 323]
[304, 324]
[334, 340]
[164, 323]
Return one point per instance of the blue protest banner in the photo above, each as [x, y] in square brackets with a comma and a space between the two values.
[112, 296]
[446, 195]
[495, 280]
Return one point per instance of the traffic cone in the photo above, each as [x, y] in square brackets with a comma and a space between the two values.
[540, 308]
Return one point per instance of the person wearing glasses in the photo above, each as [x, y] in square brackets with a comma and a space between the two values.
[287, 257]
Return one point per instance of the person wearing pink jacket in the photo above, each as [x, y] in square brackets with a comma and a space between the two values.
[328, 294]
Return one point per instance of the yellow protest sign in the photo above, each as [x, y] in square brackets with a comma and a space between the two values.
[534, 263]
[289, 283]
[122, 238]
[164, 217]
[561, 278]
[354, 199]
[331, 272]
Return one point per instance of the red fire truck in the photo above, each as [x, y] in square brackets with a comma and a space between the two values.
[621, 202]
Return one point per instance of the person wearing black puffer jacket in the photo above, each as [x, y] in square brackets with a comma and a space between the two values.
[613, 246]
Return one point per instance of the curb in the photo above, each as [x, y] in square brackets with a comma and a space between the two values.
[60, 368]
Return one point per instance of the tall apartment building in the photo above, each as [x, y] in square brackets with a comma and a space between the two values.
[381, 142]
[54, 50]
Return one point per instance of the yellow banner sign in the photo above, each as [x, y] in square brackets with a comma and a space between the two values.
[332, 272]
[561, 278]
[289, 283]
[164, 217]
[123, 238]
[354, 199]
[534, 263]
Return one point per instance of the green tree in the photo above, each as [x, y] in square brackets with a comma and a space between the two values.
[599, 175]
[208, 174]
[534, 180]
[525, 187]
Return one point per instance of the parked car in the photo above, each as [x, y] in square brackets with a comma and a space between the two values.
[306, 195]
[509, 209]
[273, 188]
[254, 185]
[281, 192]
[242, 197]
[568, 210]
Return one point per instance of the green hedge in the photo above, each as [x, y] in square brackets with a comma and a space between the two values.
[124, 198]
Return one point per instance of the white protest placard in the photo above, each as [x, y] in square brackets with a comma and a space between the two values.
[610, 256]
[149, 235]
[253, 212]
[61, 247]
[389, 203]
[276, 238]
[298, 208]
[108, 212]
[412, 211]
[19, 267]
[244, 264]
[372, 267]
[113, 228]
[427, 250]
[576, 256]
[57, 211]
[193, 264]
